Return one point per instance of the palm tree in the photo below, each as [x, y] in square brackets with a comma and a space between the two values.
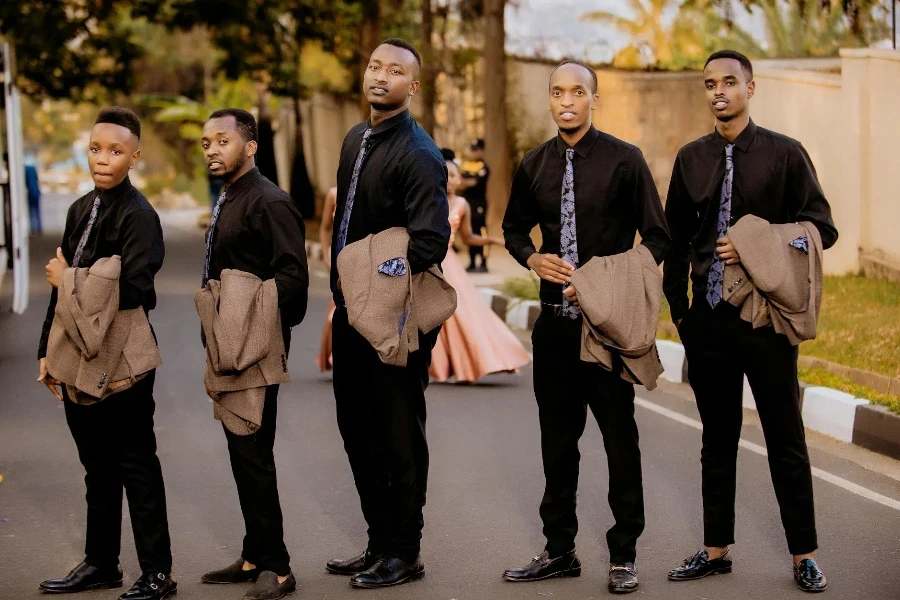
[651, 38]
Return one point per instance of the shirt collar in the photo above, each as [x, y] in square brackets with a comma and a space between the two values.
[742, 141]
[390, 123]
[234, 190]
[109, 196]
[584, 145]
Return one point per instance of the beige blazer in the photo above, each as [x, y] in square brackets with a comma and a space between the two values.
[94, 348]
[776, 283]
[386, 303]
[244, 347]
[620, 297]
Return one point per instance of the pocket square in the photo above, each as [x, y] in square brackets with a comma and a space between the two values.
[394, 267]
[801, 243]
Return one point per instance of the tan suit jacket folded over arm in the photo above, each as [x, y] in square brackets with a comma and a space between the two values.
[385, 303]
[620, 297]
[778, 282]
[245, 350]
[94, 348]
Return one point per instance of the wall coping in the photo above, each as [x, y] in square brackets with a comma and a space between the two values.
[882, 53]
[833, 80]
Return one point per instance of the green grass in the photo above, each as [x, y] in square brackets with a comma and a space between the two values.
[821, 377]
[522, 288]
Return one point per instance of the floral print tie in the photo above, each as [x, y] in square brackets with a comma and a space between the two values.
[717, 270]
[568, 241]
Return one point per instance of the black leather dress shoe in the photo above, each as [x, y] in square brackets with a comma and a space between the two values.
[388, 571]
[622, 578]
[809, 577]
[544, 567]
[151, 586]
[234, 573]
[84, 577]
[268, 588]
[700, 565]
[352, 566]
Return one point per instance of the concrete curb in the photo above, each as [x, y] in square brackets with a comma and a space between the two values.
[825, 410]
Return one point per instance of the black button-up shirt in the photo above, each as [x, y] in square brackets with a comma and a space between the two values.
[774, 179]
[615, 197]
[126, 226]
[402, 183]
[260, 231]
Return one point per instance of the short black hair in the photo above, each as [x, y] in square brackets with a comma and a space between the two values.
[448, 154]
[584, 65]
[244, 121]
[398, 43]
[119, 115]
[477, 144]
[746, 65]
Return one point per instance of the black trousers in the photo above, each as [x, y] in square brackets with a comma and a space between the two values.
[381, 416]
[253, 466]
[565, 387]
[479, 222]
[117, 446]
[720, 349]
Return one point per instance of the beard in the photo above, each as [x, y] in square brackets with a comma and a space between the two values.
[571, 130]
[235, 167]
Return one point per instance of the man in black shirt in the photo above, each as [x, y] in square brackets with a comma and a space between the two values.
[255, 227]
[740, 169]
[115, 438]
[590, 193]
[391, 174]
[475, 174]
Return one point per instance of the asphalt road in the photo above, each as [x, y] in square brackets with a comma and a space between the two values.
[483, 494]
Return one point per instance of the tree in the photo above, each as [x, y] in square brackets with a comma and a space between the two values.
[430, 69]
[496, 140]
[66, 49]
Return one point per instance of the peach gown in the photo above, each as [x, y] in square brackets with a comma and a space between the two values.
[474, 341]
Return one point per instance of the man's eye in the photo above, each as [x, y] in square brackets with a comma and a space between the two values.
[223, 142]
[117, 152]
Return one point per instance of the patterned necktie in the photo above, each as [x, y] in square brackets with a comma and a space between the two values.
[568, 241]
[717, 270]
[95, 208]
[209, 236]
[351, 193]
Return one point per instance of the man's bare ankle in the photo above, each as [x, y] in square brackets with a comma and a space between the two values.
[248, 566]
[800, 557]
[715, 552]
[282, 579]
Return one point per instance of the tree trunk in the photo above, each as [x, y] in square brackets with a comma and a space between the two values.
[370, 34]
[265, 153]
[301, 187]
[430, 70]
[496, 142]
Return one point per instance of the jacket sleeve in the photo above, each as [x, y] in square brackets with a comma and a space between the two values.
[424, 186]
[54, 293]
[648, 209]
[683, 223]
[143, 252]
[807, 200]
[281, 227]
[520, 218]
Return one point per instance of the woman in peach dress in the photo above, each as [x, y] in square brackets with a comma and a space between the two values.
[474, 341]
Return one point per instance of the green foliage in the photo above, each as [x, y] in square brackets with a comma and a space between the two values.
[821, 377]
[527, 287]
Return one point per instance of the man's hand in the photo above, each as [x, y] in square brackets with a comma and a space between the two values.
[550, 267]
[51, 383]
[55, 269]
[571, 295]
[726, 251]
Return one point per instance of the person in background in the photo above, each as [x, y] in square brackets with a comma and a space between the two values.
[324, 359]
[34, 195]
[473, 186]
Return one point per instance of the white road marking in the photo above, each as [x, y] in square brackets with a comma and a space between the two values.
[823, 475]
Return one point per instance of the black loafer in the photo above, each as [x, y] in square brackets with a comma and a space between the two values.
[268, 588]
[84, 577]
[544, 567]
[622, 578]
[700, 565]
[809, 577]
[151, 586]
[234, 573]
[388, 571]
[352, 566]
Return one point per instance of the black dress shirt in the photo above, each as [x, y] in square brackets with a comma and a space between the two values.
[774, 179]
[402, 183]
[476, 195]
[260, 231]
[615, 197]
[126, 226]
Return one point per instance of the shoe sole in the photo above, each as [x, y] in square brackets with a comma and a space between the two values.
[722, 571]
[576, 572]
[414, 577]
[346, 573]
[210, 582]
[621, 590]
[112, 585]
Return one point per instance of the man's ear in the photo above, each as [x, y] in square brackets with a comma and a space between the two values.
[413, 88]
[135, 157]
[251, 149]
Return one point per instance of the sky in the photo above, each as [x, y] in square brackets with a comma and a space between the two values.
[551, 28]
